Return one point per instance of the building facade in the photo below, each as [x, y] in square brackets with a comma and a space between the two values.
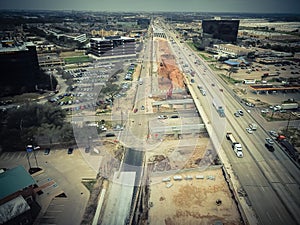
[113, 46]
[19, 63]
[225, 30]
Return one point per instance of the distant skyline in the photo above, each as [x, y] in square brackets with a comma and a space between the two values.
[242, 6]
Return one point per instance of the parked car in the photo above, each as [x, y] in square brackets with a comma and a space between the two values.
[174, 116]
[162, 117]
[240, 112]
[87, 149]
[110, 135]
[269, 147]
[47, 151]
[135, 110]
[70, 151]
[143, 107]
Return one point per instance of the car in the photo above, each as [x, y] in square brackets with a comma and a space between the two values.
[143, 107]
[240, 112]
[269, 140]
[269, 147]
[135, 110]
[162, 117]
[118, 128]
[249, 130]
[47, 151]
[273, 133]
[87, 149]
[192, 81]
[236, 114]
[70, 151]
[174, 116]
[110, 135]
[264, 111]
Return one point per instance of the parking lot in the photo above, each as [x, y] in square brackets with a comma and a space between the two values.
[62, 173]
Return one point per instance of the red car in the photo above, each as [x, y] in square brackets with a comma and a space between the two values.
[135, 110]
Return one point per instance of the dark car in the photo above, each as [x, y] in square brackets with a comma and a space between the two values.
[240, 112]
[135, 110]
[174, 116]
[47, 151]
[236, 114]
[269, 147]
[110, 135]
[87, 149]
[70, 150]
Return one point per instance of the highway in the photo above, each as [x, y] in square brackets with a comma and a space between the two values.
[270, 179]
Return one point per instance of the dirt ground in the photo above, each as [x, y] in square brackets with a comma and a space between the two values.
[167, 68]
[192, 201]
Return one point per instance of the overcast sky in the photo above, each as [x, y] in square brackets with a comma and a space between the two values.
[258, 6]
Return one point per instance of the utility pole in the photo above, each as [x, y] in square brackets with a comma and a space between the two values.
[288, 123]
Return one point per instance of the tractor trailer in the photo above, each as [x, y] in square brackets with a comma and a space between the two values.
[236, 146]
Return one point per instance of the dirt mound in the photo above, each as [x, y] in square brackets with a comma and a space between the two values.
[167, 68]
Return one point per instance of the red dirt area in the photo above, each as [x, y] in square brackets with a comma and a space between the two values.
[167, 68]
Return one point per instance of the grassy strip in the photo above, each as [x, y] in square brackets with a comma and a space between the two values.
[191, 44]
[229, 79]
[89, 184]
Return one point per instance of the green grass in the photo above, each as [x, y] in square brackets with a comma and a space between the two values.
[89, 183]
[191, 44]
[78, 59]
[229, 79]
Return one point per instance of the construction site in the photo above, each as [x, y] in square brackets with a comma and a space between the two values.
[185, 180]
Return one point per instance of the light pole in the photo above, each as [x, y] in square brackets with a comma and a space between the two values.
[28, 149]
[288, 123]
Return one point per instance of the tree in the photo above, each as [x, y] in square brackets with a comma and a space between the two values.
[33, 122]
[111, 90]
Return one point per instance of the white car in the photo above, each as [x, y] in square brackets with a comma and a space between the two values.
[264, 111]
[163, 117]
[249, 130]
[273, 133]
[270, 141]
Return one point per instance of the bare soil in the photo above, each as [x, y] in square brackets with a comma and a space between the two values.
[168, 70]
[192, 201]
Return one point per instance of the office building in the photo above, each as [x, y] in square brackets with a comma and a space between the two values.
[19, 66]
[113, 46]
[225, 30]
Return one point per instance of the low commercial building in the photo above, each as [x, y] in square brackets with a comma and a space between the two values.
[17, 197]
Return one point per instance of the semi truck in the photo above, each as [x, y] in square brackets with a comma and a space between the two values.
[289, 106]
[236, 146]
[218, 106]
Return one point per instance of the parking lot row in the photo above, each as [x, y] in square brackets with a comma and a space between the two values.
[21, 155]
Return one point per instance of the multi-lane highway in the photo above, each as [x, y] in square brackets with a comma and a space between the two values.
[270, 179]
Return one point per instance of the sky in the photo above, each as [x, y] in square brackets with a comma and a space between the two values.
[244, 6]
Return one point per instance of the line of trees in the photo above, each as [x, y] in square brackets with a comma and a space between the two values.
[35, 124]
